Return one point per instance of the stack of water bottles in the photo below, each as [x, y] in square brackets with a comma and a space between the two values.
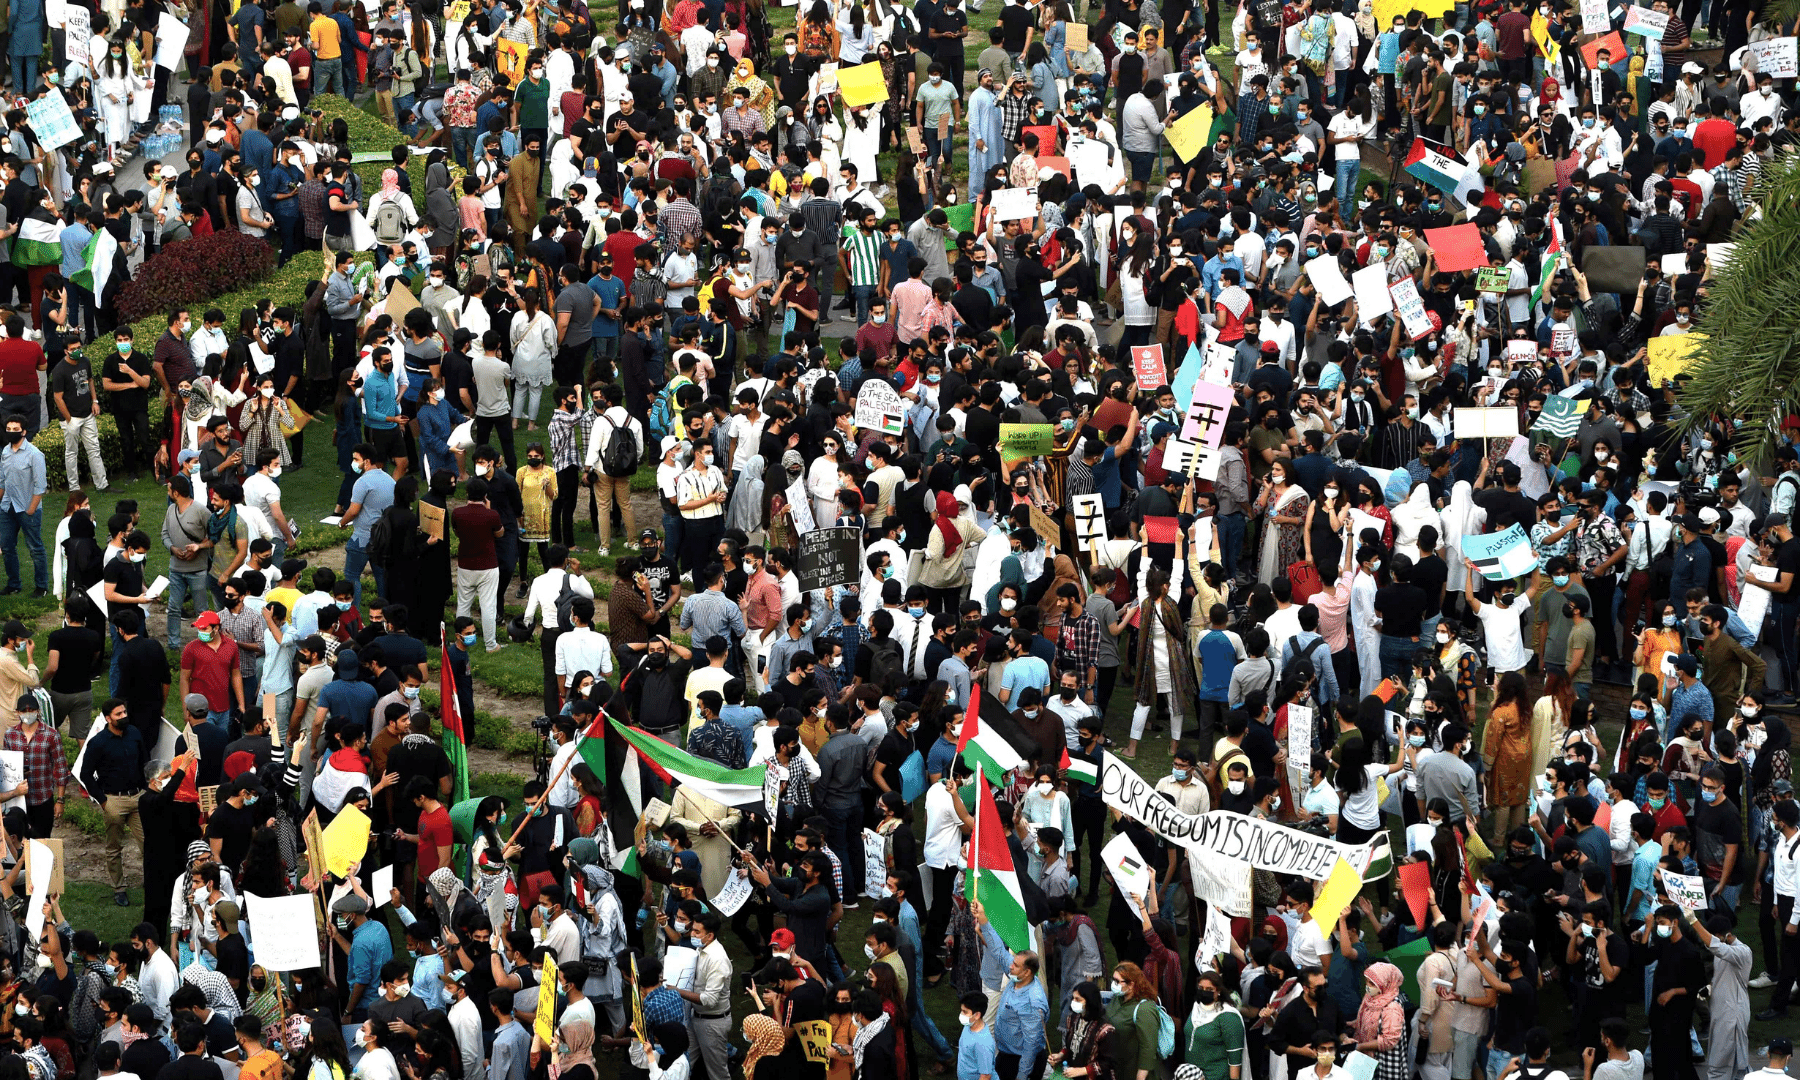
[168, 136]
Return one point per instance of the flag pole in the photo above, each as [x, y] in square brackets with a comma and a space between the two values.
[523, 821]
[973, 870]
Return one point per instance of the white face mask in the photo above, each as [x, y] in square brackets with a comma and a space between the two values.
[1043, 788]
[1236, 787]
[266, 391]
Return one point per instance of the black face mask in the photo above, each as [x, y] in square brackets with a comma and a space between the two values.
[656, 661]
[14, 437]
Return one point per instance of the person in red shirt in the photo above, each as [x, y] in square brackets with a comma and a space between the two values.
[1715, 135]
[209, 667]
[477, 564]
[434, 837]
[300, 59]
[20, 362]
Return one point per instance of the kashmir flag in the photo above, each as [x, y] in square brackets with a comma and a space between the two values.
[1561, 417]
[1458, 178]
[732, 787]
[996, 882]
[97, 260]
[983, 747]
[456, 736]
[39, 243]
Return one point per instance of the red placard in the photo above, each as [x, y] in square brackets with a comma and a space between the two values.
[1458, 247]
[1047, 144]
[1415, 885]
[1147, 366]
[1161, 530]
[1055, 164]
[1615, 50]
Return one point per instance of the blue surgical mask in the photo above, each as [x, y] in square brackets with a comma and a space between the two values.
[1709, 795]
[1668, 620]
[1415, 740]
[344, 605]
[1559, 580]
[468, 639]
[1638, 712]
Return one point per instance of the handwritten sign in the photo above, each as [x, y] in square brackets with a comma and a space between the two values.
[1491, 279]
[800, 506]
[815, 1036]
[52, 121]
[733, 893]
[1776, 57]
[1021, 441]
[1411, 307]
[1300, 747]
[1688, 891]
[829, 557]
[1594, 19]
[1147, 365]
[1077, 39]
[286, 931]
[1650, 24]
[1672, 354]
[1014, 204]
[545, 1021]
[879, 407]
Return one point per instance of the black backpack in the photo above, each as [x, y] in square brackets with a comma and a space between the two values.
[622, 455]
[887, 664]
[565, 599]
[381, 539]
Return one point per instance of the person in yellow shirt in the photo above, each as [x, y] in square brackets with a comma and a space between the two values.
[327, 49]
[259, 1062]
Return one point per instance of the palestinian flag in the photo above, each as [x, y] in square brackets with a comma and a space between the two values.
[1553, 260]
[626, 862]
[733, 787]
[97, 264]
[1381, 857]
[456, 732]
[981, 744]
[39, 243]
[1080, 769]
[995, 883]
[1449, 174]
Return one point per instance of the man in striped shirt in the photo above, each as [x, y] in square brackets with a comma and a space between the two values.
[861, 257]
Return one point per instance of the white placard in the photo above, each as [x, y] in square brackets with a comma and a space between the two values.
[678, 966]
[1776, 57]
[1220, 362]
[1674, 264]
[1372, 299]
[1411, 307]
[171, 42]
[79, 29]
[1328, 277]
[1533, 484]
[1192, 459]
[1593, 17]
[1687, 890]
[800, 506]
[1011, 204]
[1217, 940]
[1131, 874]
[1753, 603]
[12, 774]
[52, 121]
[156, 587]
[1469, 422]
[43, 868]
[874, 863]
[733, 893]
[56, 14]
[286, 931]
[381, 885]
[1719, 255]
[1300, 747]
[880, 408]
[1090, 519]
[1521, 351]
[1223, 883]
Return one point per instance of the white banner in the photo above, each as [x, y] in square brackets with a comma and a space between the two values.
[1254, 842]
[1223, 883]
[874, 863]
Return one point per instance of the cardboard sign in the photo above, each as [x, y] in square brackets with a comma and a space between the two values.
[1612, 43]
[55, 848]
[1148, 367]
[1594, 19]
[880, 408]
[1045, 526]
[1672, 354]
[1077, 37]
[1688, 891]
[800, 506]
[431, 520]
[315, 845]
[1021, 441]
[544, 1024]
[829, 557]
[346, 840]
[815, 1037]
[1090, 520]
[1411, 308]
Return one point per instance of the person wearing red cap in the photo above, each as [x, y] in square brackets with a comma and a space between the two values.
[209, 667]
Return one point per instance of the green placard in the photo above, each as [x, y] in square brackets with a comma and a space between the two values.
[1491, 279]
[1021, 441]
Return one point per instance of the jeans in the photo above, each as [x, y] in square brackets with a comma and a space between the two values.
[843, 832]
[863, 295]
[183, 584]
[407, 103]
[1347, 172]
[355, 558]
[462, 144]
[1396, 655]
[12, 524]
[1231, 541]
[328, 75]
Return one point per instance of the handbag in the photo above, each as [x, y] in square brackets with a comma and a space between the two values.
[297, 419]
[1304, 577]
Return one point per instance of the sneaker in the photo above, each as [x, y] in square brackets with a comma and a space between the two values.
[603, 551]
[1762, 982]
[495, 646]
[1771, 1014]
[122, 898]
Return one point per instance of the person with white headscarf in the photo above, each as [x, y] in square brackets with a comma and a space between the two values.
[1411, 516]
[745, 510]
[822, 480]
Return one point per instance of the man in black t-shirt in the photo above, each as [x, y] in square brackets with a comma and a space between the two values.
[1431, 575]
[1402, 610]
[659, 570]
[1507, 505]
[75, 651]
[125, 376]
[232, 953]
[228, 829]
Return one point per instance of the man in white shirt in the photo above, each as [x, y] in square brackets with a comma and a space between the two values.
[540, 608]
[157, 977]
[565, 793]
[696, 41]
[700, 495]
[711, 996]
[1500, 619]
[264, 494]
[746, 430]
[465, 1025]
[579, 649]
[1284, 623]
[1307, 943]
[561, 935]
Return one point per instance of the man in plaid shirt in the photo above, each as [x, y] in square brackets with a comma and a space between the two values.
[46, 767]
[1077, 641]
[1015, 109]
[680, 218]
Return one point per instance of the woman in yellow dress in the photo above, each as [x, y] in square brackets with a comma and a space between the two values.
[537, 489]
[762, 95]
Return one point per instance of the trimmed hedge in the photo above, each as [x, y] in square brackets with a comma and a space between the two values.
[194, 272]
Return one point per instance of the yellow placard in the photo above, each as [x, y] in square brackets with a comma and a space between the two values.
[815, 1037]
[457, 12]
[1671, 355]
[545, 1021]
[1188, 134]
[1387, 10]
[509, 59]
[862, 84]
[1540, 33]
[345, 840]
[1339, 889]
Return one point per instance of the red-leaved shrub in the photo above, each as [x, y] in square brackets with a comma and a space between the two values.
[192, 272]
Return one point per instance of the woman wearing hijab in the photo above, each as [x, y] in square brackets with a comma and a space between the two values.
[575, 1058]
[762, 95]
[944, 572]
[440, 206]
[80, 553]
[670, 1063]
[1410, 517]
[1162, 667]
[1381, 1022]
[431, 558]
[765, 1038]
[605, 933]
[746, 509]
[390, 193]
